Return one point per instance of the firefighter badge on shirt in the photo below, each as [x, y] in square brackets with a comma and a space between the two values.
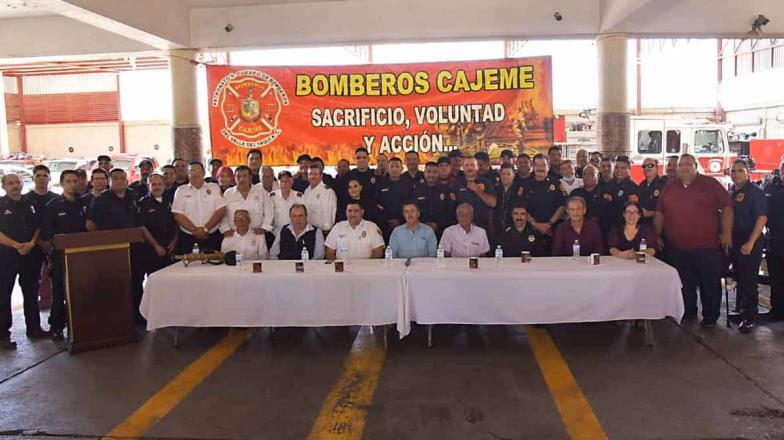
[250, 102]
[739, 197]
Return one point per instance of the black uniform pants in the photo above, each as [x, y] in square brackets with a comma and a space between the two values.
[775, 257]
[186, 242]
[57, 314]
[699, 268]
[746, 272]
[28, 269]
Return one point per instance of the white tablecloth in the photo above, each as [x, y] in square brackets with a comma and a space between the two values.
[366, 293]
[547, 290]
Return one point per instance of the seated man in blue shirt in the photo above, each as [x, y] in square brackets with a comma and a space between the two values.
[412, 239]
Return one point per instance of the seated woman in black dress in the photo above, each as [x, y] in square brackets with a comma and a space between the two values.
[354, 190]
[624, 240]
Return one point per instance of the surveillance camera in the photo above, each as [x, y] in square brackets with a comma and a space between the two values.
[228, 28]
[557, 16]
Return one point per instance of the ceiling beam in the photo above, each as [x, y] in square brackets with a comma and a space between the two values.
[162, 24]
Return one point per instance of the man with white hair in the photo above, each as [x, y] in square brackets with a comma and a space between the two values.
[465, 239]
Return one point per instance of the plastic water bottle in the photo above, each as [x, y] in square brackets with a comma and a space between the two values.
[440, 258]
[304, 256]
[576, 250]
[388, 257]
[499, 257]
[342, 254]
[195, 248]
[643, 245]
[239, 260]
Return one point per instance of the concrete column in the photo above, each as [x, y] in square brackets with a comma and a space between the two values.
[186, 131]
[612, 130]
[5, 145]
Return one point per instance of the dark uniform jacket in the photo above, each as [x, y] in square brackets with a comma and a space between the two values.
[111, 212]
[616, 194]
[62, 216]
[514, 242]
[158, 219]
[748, 205]
[482, 211]
[436, 205]
[291, 248]
[505, 203]
[542, 198]
[18, 220]
[390, 196]
[649, 194]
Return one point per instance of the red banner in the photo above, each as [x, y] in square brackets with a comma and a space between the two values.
[330, 111]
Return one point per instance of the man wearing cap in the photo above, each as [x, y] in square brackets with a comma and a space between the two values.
[520, 236]
[301, 182]
[543, 198]
[140, 188]
[554, 160]
[476, 191]
[413, 177]
[283, 199]
[363, 174]
[435, 200]
[617, 193]
[215, 165]
[391, 192]
[650, 189]
[444, 171]
[485, 169]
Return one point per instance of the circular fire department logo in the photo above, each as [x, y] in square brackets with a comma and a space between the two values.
[250, 102]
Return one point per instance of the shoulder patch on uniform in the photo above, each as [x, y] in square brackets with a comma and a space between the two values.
[552, 187]
[740, 197]
[656, 193]
[452, 196]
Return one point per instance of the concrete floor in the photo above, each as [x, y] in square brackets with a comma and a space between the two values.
[476, 383]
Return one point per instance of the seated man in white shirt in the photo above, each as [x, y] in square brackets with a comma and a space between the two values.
[354, 237]
[244, 242]
[253, 199]
[465, 239]
[297, 235]
[198, 208]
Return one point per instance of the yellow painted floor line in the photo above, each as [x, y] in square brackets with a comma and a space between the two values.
[344, 411]
[175, 391]
[576, 413]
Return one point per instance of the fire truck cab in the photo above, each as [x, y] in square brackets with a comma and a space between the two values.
[658, 138]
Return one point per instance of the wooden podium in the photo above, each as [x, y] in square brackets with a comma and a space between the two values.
[97, 272]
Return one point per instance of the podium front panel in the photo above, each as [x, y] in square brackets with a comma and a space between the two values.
[100, 305]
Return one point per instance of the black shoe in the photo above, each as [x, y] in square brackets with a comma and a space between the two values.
[747, 325]
[688, 317]
[708, 323]
[37, 333]
[736, 318]
[7, 344]
[57, 335]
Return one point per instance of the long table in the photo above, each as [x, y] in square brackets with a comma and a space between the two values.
[203, 295]
[544, 291]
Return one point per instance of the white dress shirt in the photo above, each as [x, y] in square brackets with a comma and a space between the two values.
[198, 204]
[258, 204]
[318, 247]
[250, 246]
[360, 240]
[282, 207]
[460, 243]
[322, 204]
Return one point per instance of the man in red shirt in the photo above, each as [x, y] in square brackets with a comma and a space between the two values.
[694, 213]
